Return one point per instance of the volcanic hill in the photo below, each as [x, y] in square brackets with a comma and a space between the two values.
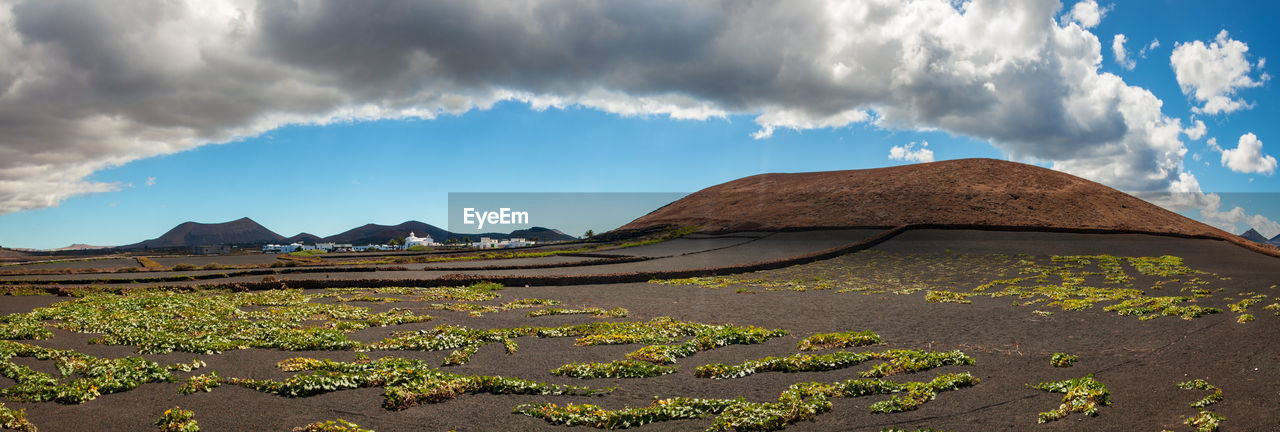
[972, 193]
[243, 231]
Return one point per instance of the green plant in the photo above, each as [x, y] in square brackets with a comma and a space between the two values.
[465, 341]
[896, 362]
[1204, 420]
[84, 377]
[177, 420]
[15, 420]
[1083, 395]
[821, 341]
[308, 253]
[1071, 283]
[201, 383]
[947, 297]
[337, 425]
[1063, 360]
[799, 402]
[208, 321]
[22, 326]
[615, 369]
[406, 382]
[595, 312]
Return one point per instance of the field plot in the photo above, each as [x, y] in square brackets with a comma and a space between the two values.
[98, 263]
[943, 329]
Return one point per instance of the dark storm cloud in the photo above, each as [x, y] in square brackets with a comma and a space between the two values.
[94, 84]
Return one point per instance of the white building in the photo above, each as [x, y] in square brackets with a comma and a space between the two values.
[413, 240]
[516, 242]
[489, 243]
[292, 247]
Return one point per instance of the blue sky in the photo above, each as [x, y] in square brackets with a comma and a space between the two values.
[331, 145]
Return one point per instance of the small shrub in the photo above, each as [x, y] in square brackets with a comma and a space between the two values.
[15, 420]
[1063, 360]
[1205, 421]
[616, 369]
[896, 362]
[1083, 395]
[595, 312]
[178, 420]
[823, 341]
[803, 401]
[183, 267]
[338, 425]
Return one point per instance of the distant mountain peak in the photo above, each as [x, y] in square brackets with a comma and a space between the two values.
[240, 231]
[1254, 235]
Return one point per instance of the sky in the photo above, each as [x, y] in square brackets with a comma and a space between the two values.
[120, 120]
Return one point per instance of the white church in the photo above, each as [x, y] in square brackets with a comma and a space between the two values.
[413, 240]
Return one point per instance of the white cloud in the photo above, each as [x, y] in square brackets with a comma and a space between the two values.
[911, 153]
[151, 181]
[1196, 131]
[1236, 220]
[1122, 55]
[799, 120]
[1185, 194]
[1213, 73]
[1087, 13]
[1248, 158]
[1212, 143]
[1155, 43]
[90, 85]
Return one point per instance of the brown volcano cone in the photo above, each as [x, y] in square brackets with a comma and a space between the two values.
[956, 193]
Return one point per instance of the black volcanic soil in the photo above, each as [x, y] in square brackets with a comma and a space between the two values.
[1139, 361]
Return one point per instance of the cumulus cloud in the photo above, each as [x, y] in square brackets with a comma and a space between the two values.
[1185, 195]
[90, 85]
[1120, 53]
[1236, 218]
[912, 153]
[1212, 143]
[1247, 157]
[1087, 13]
[1196, 130]
[1213, 73]
[1155, 43]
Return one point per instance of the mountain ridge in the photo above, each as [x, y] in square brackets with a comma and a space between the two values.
[247, 232]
